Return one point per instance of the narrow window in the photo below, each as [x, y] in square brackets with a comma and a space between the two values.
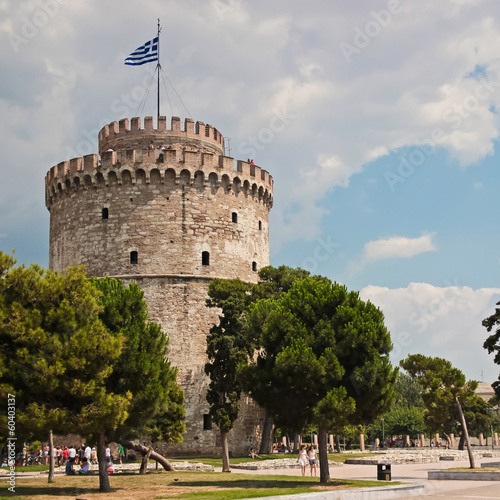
[254, 267]
[134, 258]
[205, 258]
[207, 422]
[260, 225]
[105, 213]
[235, 217]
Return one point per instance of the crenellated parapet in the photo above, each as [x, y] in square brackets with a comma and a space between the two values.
[177, 169]
[129, 134]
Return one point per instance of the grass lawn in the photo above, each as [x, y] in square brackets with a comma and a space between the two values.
[31, 468]
[170, 485]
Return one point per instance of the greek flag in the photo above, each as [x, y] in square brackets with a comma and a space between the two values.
[144, 54]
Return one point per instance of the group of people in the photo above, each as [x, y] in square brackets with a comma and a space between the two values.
[85, 456]
[72, 456]
[307, 456]
[63, 454]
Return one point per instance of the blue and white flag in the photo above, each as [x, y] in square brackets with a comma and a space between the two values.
[144, 54]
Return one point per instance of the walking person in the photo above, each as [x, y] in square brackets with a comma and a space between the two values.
[302, 460]
[312, 460]
[121, 453]
[88, 454]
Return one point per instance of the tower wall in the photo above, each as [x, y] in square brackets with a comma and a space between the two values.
[152, 217]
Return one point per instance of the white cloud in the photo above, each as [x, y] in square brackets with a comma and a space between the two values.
[395, 247]
[439, 321]
[398, 246]
[234, 63]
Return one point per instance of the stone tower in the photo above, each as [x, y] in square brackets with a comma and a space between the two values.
[164, 208]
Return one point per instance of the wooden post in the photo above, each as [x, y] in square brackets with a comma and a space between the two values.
[466, 433]
[330, 441]
[315, 440]
[362, 442]
[422, 440]
[407, 440]
[481, 439]
[51, 457]
[495, 439]
[436, 439]
[452, 439]
[377, 443]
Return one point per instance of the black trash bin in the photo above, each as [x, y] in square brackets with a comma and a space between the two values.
[384, 472]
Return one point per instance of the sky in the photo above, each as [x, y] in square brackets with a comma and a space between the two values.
[378, 120]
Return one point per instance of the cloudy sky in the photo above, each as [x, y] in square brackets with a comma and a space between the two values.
[378, 120]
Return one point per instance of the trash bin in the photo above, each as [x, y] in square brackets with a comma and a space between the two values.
[384, 472]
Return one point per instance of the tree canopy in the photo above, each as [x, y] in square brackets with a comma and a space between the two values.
[142, 369]
[492, 343]
[227, 349]
[449, 399]
[80, 356]
[55, 353]
[322, 357]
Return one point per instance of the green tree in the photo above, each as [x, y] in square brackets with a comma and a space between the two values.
[142, 372]
[322, 352]
[273, 282]
[402, 421]
[227, 350]
[445, 394]
[55, 353]
[492, 343]
[408, 392]
[80, 356]
[406, 415]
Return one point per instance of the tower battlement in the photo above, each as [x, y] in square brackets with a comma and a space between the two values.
[128, 134]
[183, 168]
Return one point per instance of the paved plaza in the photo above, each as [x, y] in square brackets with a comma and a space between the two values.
[413, 473]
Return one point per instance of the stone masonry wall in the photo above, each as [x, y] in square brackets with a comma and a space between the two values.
[167, 209]
[168, 226]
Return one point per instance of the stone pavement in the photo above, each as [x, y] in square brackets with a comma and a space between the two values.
[408, 472]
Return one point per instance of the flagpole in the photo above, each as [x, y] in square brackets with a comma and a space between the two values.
[158, 67]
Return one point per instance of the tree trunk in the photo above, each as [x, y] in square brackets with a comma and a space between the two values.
[103, 469]
[51, 457]
[139, 448]
[337, 443]
[324, 470]
[295, 444]
[466, 433]
[448, 439]
[461, 443]
[144, 461]
[225, 452]
[266, 445]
